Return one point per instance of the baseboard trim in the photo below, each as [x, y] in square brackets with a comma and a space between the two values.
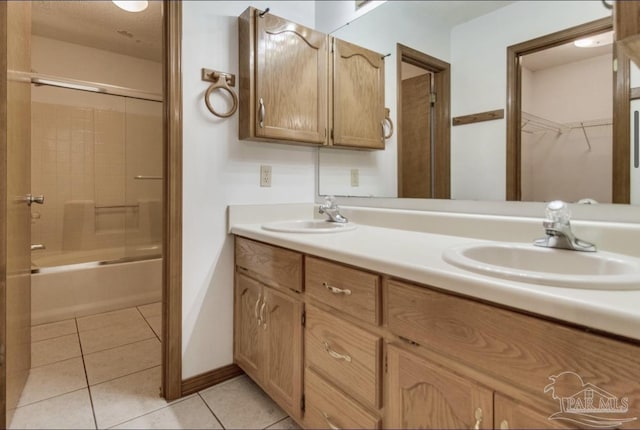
[209, 379]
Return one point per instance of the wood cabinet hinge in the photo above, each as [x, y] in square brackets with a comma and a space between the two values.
[303, 319]
[302, 403]
[409, 341]
[331, 134]
[386, 363]
[433, 97]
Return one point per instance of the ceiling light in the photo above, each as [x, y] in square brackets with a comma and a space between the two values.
[131, 5]
[594, 41]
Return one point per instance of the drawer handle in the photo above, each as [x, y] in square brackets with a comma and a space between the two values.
[478, 416]
[334, 354]
[504, 425]
[255, 310]
[264, 321]
[336, 290]
[331, 425]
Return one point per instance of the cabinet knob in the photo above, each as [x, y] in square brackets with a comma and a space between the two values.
[30, 199]
[478, 417]
[504, 425]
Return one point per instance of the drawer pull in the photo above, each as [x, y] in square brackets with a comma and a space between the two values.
[334, 354]
[504, 425]
[255, 310]
[336, 290]
[331, 425]
[264, 321]
[478, 416]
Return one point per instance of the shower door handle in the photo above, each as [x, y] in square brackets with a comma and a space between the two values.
[30, 199]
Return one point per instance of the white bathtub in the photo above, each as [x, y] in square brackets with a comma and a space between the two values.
[73, 290]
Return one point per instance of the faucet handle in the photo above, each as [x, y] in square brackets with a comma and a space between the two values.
[558, 211]
[329, 202]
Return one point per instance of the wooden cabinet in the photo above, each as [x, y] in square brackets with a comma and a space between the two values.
[268, 330]
[423, 395]
[286, 85]
[357, 96]
[380, 351]
[283, 80]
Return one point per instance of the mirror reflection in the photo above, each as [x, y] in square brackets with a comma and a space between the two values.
[472, 37]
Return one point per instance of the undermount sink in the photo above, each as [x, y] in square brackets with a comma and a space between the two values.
[547, 266]
[309, 226]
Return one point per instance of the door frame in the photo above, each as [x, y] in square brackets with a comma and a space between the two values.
[442, 116]
[3, 211]
[621, 109]
[172, 229]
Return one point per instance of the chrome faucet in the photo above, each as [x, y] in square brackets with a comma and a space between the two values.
[331, 209]
[558, 229]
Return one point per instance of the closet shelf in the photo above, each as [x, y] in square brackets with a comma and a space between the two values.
[533, 124]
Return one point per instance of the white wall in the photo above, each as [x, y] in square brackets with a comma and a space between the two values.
[333, 14]
[384, 27]
[54, 57]
[219, 170]
[478, 56]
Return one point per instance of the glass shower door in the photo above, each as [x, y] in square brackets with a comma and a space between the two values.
[144, 178]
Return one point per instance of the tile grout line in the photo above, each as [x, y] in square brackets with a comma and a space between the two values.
[211, 410]
[123, 376]
[119, 346]
[278, 422]
[86, 377]
[151, 412]
[147, 321]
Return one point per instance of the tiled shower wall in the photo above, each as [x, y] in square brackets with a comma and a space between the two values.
[86, 148]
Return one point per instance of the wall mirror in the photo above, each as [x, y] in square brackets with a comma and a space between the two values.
[473, 38]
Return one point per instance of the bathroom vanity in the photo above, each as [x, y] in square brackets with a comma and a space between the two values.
[370, 328]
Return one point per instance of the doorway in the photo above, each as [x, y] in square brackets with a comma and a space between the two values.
[423, 125]
[171, 380]
[619, 153]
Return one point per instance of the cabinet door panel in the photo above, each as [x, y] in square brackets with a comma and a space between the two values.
[247, 333]
[510, 414]
[291, 81]
[283, 367]
[423, 395]
[358, 96]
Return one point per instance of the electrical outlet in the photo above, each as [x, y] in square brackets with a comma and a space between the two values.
[355, 178]
[265, 176]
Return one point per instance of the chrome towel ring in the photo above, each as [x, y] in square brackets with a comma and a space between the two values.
[223, 81]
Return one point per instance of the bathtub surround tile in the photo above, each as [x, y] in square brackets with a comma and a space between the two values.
[240, 404]
[191, 413]
[123, 360]
[125, 398]
[107, 319]
[56, 349]
[51, 330]
[69, 411]
[115, 335]
[151, 310]
[52, 380]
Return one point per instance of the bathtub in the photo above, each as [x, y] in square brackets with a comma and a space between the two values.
[80, 283]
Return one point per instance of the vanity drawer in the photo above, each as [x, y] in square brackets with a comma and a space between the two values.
[274, 266]
[522, 350]
[344, 354]
[328, 407]
[349, 290]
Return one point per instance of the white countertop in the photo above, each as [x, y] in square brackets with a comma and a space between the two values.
[416, 256]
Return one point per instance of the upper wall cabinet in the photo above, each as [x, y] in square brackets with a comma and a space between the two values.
[286, 82]
[283, 80]
[357, 96]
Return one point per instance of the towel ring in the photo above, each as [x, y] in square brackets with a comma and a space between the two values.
[387, 119]
[222, 81]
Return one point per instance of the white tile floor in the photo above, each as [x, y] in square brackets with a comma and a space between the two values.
[103, 371]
